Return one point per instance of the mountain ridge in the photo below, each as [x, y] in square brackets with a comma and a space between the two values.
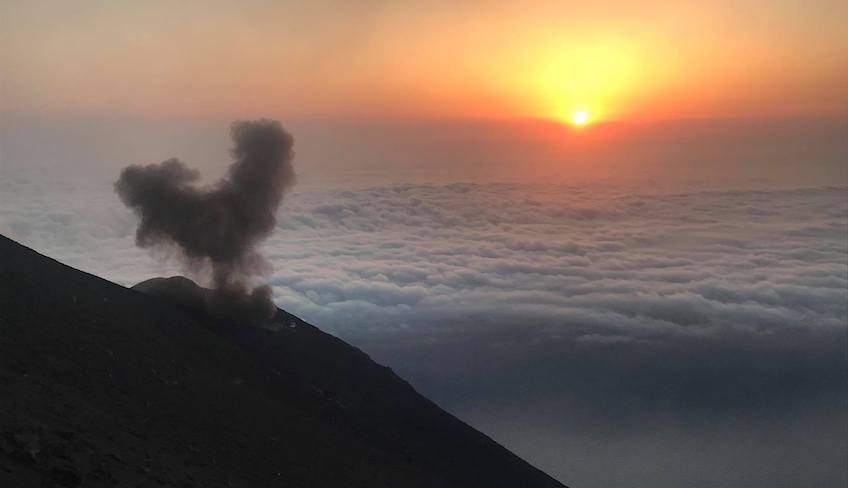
[105, 386]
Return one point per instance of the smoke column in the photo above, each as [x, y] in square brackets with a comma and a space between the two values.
[218, 227]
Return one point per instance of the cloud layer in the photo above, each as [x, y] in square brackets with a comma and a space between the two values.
[561, 319]
[647, 266]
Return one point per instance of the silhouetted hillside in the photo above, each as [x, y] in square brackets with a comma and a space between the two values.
[105, 386]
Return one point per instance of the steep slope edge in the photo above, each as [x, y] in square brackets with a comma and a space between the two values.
[104, 386]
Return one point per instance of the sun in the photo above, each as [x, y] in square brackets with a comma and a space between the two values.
[580, 118]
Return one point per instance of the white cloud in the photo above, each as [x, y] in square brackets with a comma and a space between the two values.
[607, 303]
[425, 256]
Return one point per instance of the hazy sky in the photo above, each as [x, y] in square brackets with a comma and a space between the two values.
[633, 59]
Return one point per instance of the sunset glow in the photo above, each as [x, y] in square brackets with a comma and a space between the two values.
[622, 62]
[580, 117]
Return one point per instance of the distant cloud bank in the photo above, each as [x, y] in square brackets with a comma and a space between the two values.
[572, 308]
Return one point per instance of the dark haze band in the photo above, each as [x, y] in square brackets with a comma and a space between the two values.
[218, 226]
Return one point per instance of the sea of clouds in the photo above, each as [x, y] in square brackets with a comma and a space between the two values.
[594, 329]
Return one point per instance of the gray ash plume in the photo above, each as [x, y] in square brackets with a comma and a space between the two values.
[217, 227]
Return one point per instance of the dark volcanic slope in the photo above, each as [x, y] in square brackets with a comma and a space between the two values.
[105, 386]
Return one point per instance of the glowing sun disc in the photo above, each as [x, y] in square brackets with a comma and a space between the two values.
[581, 117]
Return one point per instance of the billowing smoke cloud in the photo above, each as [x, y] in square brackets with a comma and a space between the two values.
[218, 227]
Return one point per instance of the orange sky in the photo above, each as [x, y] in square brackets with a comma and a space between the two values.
[637, 60]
